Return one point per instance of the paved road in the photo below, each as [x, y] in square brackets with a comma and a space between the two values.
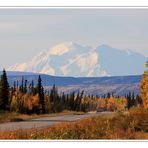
[45, 121]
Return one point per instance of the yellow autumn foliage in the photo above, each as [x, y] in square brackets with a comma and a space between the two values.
[112, 103]
[144, 89]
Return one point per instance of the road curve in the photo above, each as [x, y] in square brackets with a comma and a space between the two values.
[45, 121]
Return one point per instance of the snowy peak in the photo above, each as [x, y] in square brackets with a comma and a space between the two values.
[72, 59]
[66, 47]
[61, 48]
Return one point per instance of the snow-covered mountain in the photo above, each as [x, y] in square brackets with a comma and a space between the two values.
[72, 59]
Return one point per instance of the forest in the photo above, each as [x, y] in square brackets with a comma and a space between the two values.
[30, 99]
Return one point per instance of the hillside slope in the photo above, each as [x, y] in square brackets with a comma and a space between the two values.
[91, 85]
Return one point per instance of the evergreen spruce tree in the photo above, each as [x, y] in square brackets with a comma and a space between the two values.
[4, 92]
[71, 103]
[129, 101]
[25, 87]
[14, 86]
[54, 98]
[53, 94]
[39, 89]
[108, 95]
[17, 84]
[138, 100]
[32, 88]
[40, 92]
[22, 86]
[77, 101]
[42, 101]
[133, 103]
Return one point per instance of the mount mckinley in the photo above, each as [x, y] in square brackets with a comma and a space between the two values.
[72, 59]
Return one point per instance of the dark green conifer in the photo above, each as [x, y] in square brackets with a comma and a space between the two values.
[4, 92]
[25, 87]
[40, 92]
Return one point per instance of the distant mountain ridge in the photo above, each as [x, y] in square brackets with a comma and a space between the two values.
[72, 59]
[120, 85]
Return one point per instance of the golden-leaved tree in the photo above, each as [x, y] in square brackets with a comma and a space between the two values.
[144, 87]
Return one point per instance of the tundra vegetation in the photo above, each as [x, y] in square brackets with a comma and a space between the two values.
[130, 122]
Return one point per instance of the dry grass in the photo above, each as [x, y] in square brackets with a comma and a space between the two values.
[122, 126]
[84, 129]
[13, 116]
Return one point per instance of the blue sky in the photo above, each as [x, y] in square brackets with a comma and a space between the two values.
[25, 32]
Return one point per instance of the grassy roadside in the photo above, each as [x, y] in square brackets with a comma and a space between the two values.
[13, 116]
[119, 126]
[64, 130]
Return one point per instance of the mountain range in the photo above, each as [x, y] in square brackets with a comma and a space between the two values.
[72, 59]
[119, 85]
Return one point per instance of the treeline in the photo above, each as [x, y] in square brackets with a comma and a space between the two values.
[133, 100]
[28, 98]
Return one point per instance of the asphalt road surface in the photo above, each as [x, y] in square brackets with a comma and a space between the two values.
[45, 121]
